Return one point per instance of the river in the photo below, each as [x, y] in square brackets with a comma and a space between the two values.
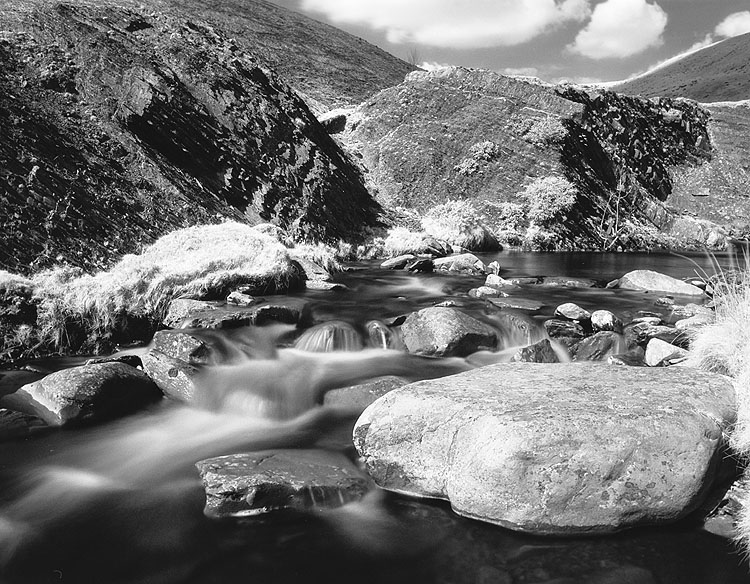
[122, 501]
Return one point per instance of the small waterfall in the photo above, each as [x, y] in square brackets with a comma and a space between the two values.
[334, 335]
[382, 336]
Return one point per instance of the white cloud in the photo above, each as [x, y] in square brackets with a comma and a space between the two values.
[734, 24]
[433, 65]
[521, 71]
[621, 28]
[455, 23]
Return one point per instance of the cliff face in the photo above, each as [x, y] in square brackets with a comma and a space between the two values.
[477, 135]
[118, 125]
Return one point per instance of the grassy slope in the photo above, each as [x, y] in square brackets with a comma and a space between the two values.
[716, 73]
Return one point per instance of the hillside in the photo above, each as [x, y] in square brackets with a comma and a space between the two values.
[720, 72]
[120, 124]
[621, 164]
[326, 66]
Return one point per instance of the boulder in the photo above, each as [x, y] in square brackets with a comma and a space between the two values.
[261, 482]
[182, 345]
[443, 332]
[323, 285]
[553, 449]
[493, 268]
[84, 394]
[486, 292]
[496, 281]
[657, 282]
[597, 347]
[604, 320]
[558, 328]
[465, 263]
[309, 268]
[423, 265]
[572, 311]
[633, 358]
[565, 282]
[660, 352]
[642, 333]
[240, 298]
[399, 262]
[541, 352]
[174, 377]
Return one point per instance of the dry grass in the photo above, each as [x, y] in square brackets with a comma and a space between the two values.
[401, 240]
[204, 262]
[724, 347]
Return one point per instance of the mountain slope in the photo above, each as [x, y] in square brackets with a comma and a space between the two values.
[720, 72]
[327, 66]
[120, 124]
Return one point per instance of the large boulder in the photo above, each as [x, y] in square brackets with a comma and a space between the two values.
[465, 263]
[657, 282]
[260, 482]
[442, 332]
[85, 393]
[553, 449]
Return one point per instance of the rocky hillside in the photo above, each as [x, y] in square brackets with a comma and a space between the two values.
[120, 124]
[720, 72]
[586, 169]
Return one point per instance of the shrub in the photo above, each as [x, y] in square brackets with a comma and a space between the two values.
[546, 131]
[401, 241]
[460, 224]
[479, 154]
[549, 199]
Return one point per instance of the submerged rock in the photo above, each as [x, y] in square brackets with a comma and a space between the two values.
[443, 332]
[553, 449]
[86, 393]
[18, 425]
[656, 282]
[261, 482]
[358, 397]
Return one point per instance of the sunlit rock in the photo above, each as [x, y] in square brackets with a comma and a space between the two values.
[443, 332]
[554, 449]
[656, 282]
[660, 352]
[85, 393]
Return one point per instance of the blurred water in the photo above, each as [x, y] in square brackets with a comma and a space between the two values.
[122, 502]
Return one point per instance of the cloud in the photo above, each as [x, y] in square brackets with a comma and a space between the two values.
[521, 71]
[463, 24]
[433, 65]
[621, 28]
[734, 24]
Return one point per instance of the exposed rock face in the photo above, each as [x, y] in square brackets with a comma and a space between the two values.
[86, 393]
[159, 121]
[260, 482]
[544, 449]
[442, 332]
[477, 135]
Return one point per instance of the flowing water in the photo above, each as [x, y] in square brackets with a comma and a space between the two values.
[122, 501]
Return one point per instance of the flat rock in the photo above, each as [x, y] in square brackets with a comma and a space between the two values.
[443, 332]
[260, 482]
[565, 282]
[288, 310]
[182, 309]
[553, 449]
[183, 345]
[86, 393]
[486, 292]
[657, 282]
[518, 303]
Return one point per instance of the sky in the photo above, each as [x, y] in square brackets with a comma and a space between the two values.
[556, 40]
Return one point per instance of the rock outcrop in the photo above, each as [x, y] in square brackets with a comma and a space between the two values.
[120, 124]
[564, 448]
[561, 166]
